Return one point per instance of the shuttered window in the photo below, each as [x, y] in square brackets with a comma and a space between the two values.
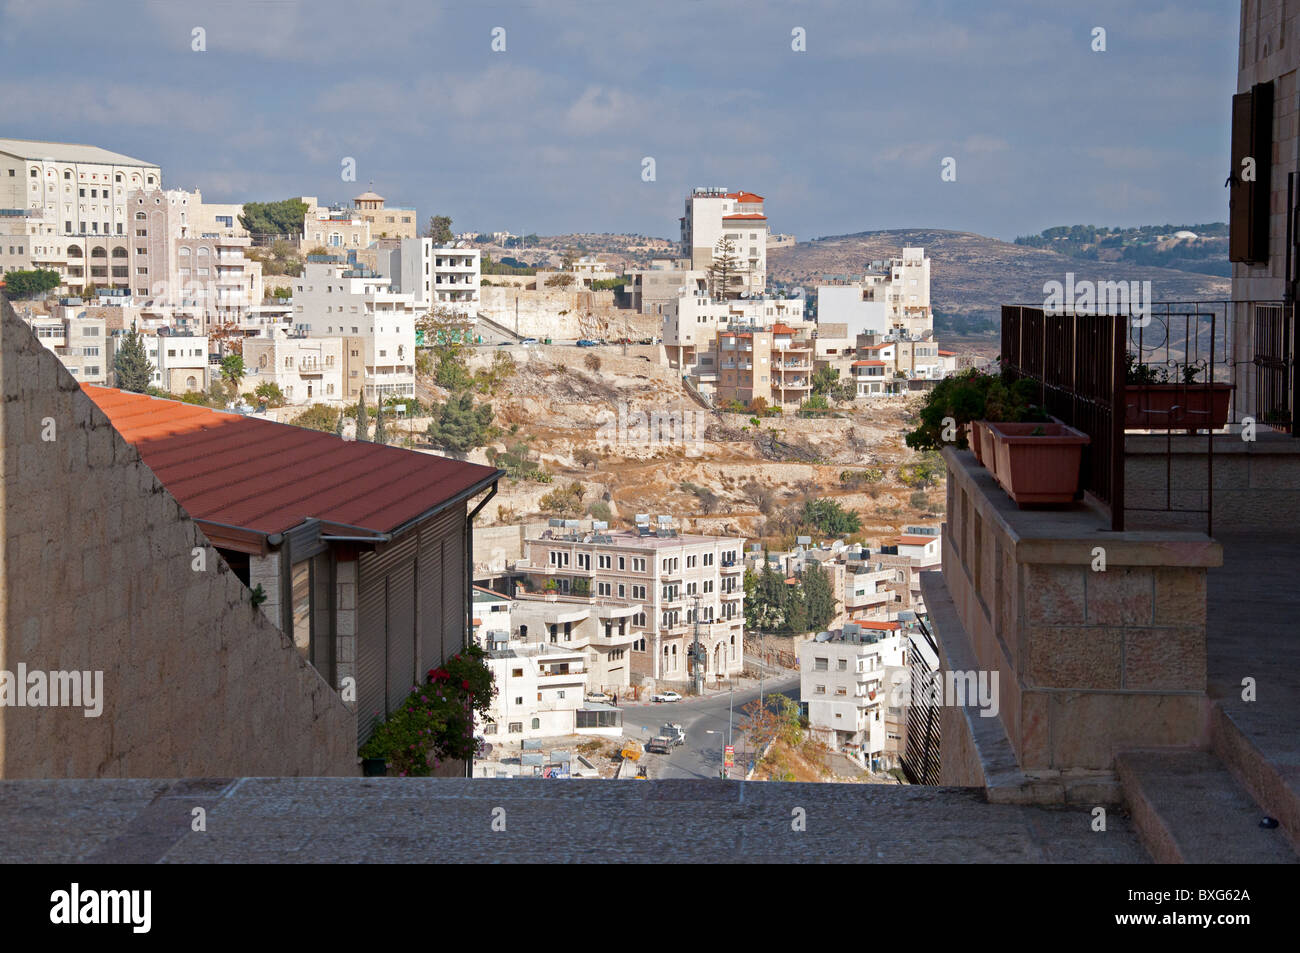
[1250, 181]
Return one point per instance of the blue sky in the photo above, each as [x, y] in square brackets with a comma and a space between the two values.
[549, 135]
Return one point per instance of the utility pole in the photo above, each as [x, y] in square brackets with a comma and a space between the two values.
[697, 652]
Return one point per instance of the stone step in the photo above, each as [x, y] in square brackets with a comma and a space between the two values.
[1235, 733]
[1189, 809]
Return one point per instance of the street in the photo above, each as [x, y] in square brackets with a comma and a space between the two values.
[705, 723]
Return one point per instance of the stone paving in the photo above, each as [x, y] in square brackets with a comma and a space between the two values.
[363, 820]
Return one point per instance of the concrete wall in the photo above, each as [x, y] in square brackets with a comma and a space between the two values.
[97, 574]
[588, 313]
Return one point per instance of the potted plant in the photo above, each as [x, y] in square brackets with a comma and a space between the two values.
[949, 410]
[1034, 457]
[1153, 402]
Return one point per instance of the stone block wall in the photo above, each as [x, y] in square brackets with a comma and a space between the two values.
[98, 573]
[1097, 638]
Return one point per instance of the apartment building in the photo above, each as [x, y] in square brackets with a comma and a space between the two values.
[335, 298]
[79, 343]
[439, 277]
[188, 261]
[692, 321]
[64, 207]
[180, 361]
[713, 214]
[308, 370]
[647, 586]
[386, 221]
[774, 365]
[844, 683]
[892, 296]
[333, 227]
[652, 290]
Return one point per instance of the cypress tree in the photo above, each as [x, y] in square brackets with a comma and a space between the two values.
[131, 363]
[363, 420]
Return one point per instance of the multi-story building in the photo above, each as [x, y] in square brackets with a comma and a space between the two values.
[713, 214]
[308, 370]
[188, 261]
[892, 296]
[844, 683]
[437, 277]
[334, 228]
[667, 581]
[64, 207]
[691, 323]
[338, 298]
[386, 221]
[652, 290]
[79, 344]
[180, 361]
[774, 365]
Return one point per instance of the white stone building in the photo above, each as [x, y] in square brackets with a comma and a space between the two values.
[716, 213]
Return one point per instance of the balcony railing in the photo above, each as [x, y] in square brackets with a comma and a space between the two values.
[1087, 367]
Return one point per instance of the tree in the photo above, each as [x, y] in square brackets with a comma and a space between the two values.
[561, 279]
[363, 419]
[381, 434]
[131, 363]
[320, 417]
[448, 334]
[274, 218]
[819, 595]
[592, 363]
[232, 369]
[828, 518]
[725, 268]
[459, 427]
[439, 229]
[585, 457]
[20, 285]
[270, 394]
[564, 502]
[338, 425]
[569, 256]
[825, 379]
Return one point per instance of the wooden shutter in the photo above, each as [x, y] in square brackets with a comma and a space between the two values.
[1249, 202]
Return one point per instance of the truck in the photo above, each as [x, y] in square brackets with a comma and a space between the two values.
[659, 744]
[674, 733]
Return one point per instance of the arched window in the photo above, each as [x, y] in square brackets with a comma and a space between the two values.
[140, 216]
[203, 251]
[191, 383]
[74, 251]
[184, 252]
[119, 252]
[98, 252]
[537, 723]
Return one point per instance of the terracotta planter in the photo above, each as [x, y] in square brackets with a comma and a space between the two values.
[1036, 469]
[973, 440]
[1176, 406]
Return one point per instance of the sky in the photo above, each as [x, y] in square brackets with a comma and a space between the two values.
[550, 135]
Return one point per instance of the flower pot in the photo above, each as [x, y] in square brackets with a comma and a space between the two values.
[374, 767]
[973, 439]
[1036, 469]
[1176, 406]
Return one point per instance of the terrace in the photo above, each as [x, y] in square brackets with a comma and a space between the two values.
[1124, 624]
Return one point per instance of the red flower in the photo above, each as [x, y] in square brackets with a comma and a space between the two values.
[464, 683]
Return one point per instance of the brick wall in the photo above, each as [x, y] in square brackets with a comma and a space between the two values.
[97, 574]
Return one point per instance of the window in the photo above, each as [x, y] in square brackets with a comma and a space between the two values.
[820, 664]
[516, 728]
[843, 665]
[819, 690]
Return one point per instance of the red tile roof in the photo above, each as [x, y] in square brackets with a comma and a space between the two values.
[916, 540]
[779, 328]
[947, 353]
[873, 347]
[744, 197]
[746, 215]
[868, 363]
[879, 626]
[268, 477]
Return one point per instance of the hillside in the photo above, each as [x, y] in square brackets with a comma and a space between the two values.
[972, 275]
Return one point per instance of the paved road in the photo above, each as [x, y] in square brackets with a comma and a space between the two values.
[705, 721]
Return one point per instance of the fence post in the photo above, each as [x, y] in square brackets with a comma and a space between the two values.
[1118, 380]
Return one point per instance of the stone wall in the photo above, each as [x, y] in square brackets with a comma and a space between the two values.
[1090, 660]
[103, 571]
[1256, 482]
[561, 315]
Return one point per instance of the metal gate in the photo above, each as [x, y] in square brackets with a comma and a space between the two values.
[385, 630]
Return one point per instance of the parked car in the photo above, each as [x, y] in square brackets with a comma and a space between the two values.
[665, 697]
[598, 697]
[646, 341]
[528, 341]
[586, 342]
